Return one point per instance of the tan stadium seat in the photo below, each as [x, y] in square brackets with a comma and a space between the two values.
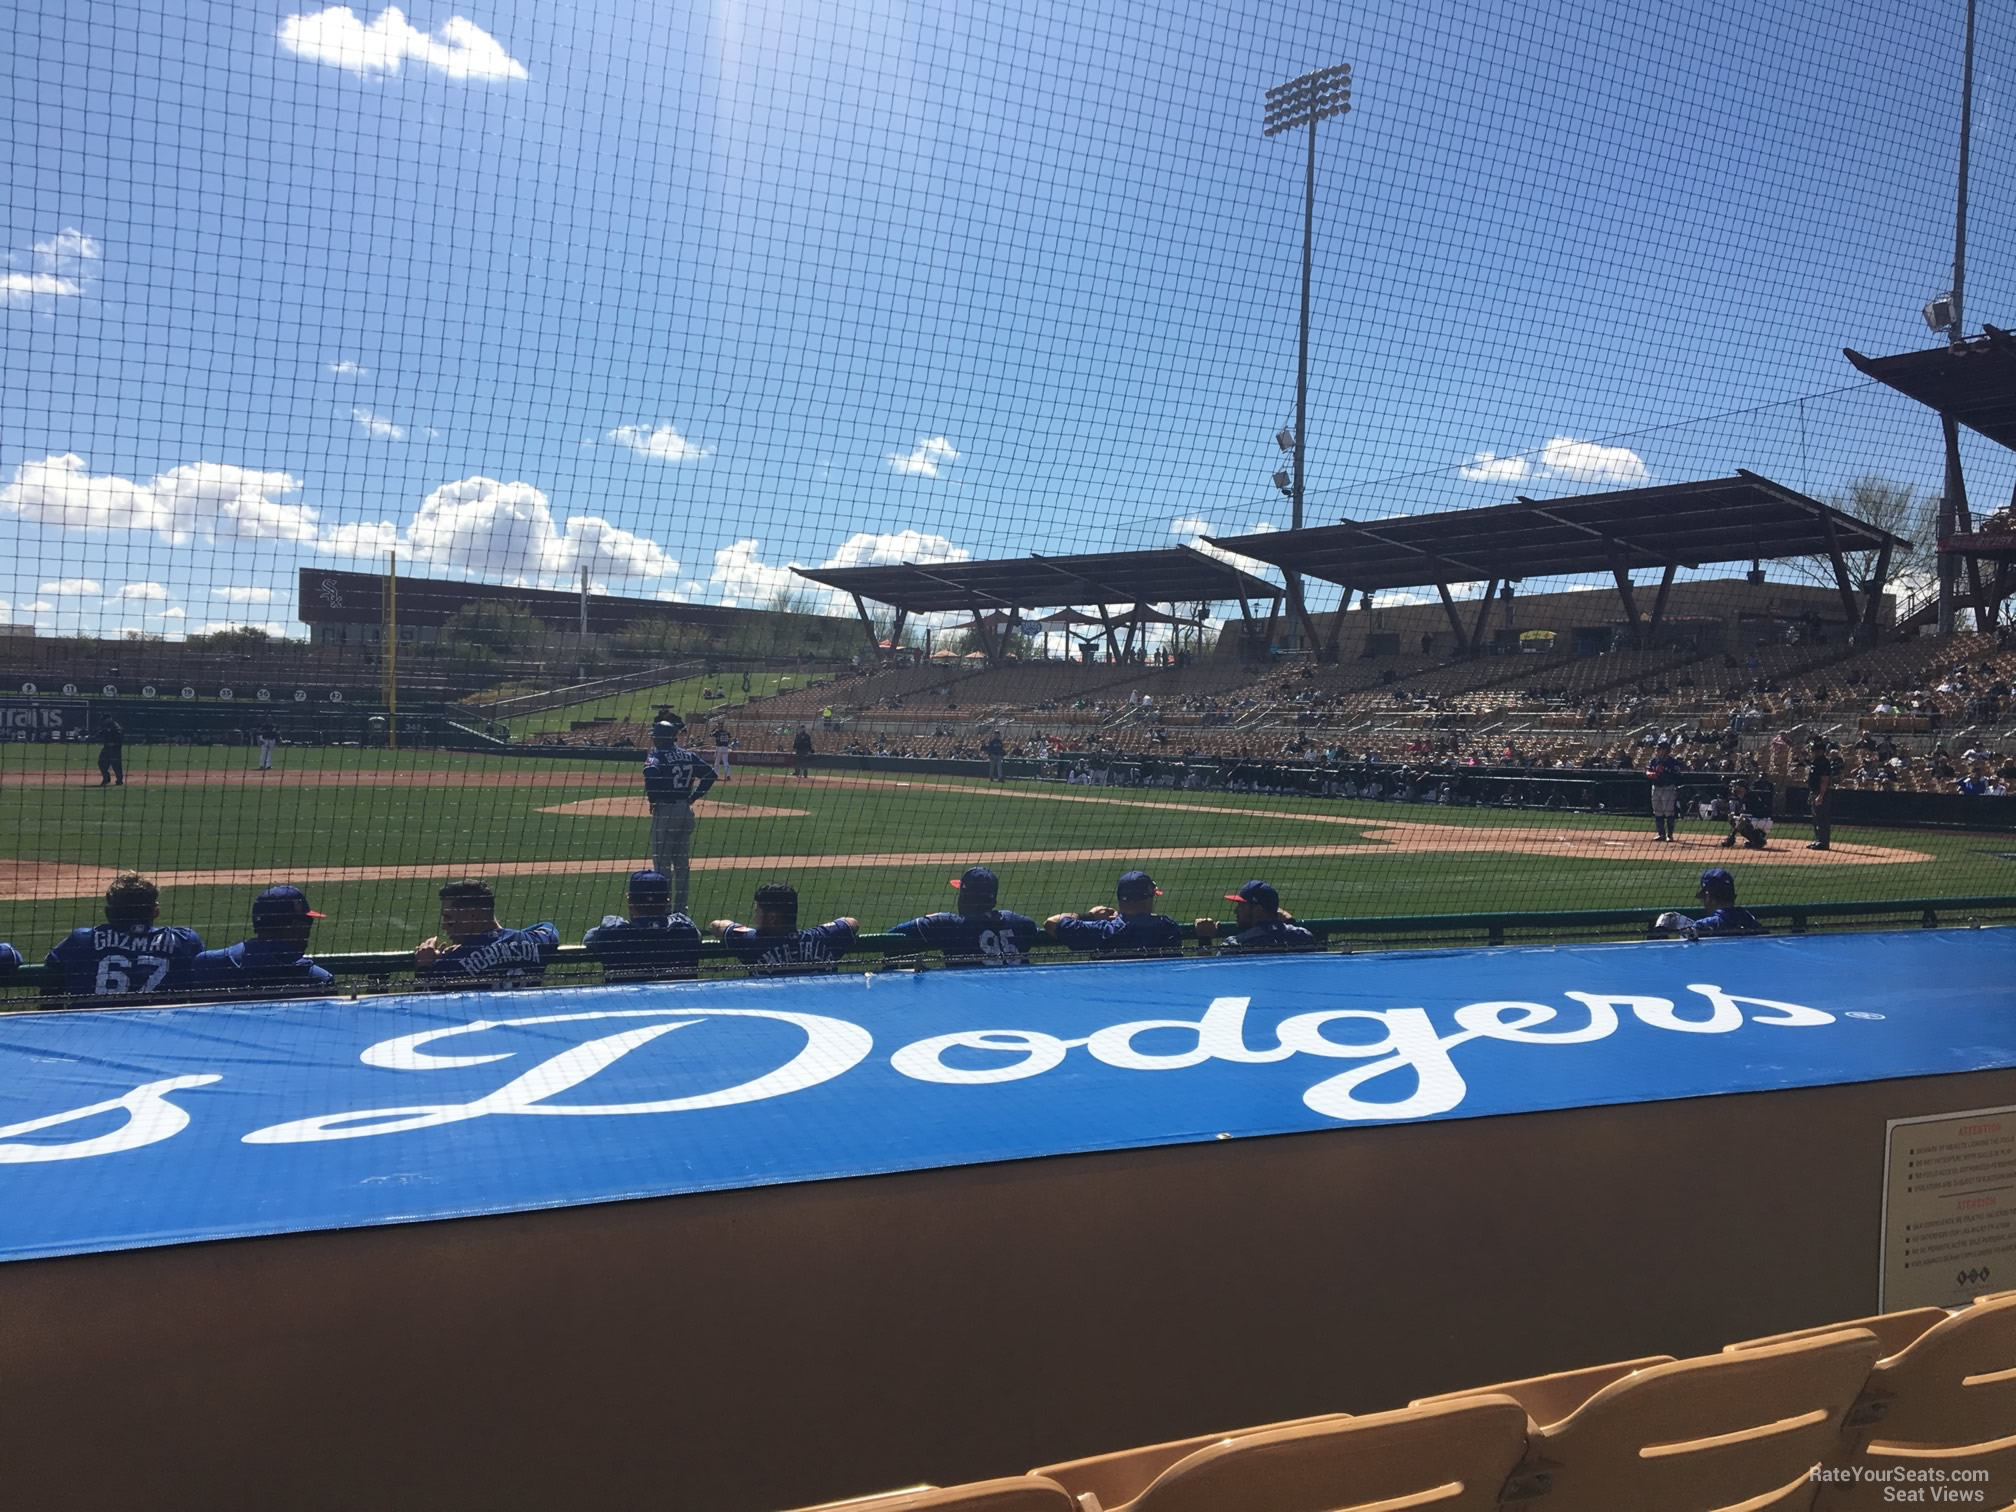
[1021, 1493]
[1893, 1330]
[1113, 1480]
[1449, 1458]
[1550, 1398]
[1944, 1401]
[1730, 1432]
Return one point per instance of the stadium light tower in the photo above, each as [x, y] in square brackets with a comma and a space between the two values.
[1303, 102]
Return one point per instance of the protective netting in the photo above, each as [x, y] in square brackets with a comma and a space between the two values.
[404, 412]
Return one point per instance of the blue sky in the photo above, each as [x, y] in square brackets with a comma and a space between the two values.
[524, 288]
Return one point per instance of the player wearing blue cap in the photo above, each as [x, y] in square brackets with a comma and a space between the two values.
[1718, 890]
[10, 960]
[275, 960]
[979, 934]
[132, 952]
[1261, 923]
[1130, 925]
[653, 943]
[674, 780]
[480, 952]
[776, 945]
[1663, 772]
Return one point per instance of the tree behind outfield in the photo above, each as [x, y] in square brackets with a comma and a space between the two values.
[1899, 508]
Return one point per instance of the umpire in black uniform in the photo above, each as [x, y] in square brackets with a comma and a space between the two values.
[1822, 771]
[111, 754]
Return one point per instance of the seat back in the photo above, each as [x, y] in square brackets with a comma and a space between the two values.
[1113, 1480]
[1954, 1387]
[1728, 1430]
[1448, 1458]
[1021, 1493]
[1894, 1331]
[1550, 1398]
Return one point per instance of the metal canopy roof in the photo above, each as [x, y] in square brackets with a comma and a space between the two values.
[1116, 577]
[1974, 382]
[1677, 525]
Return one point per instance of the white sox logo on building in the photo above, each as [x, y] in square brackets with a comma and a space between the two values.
[1399, 1043]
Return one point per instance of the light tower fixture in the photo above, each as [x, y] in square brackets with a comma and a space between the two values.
[1302, 102]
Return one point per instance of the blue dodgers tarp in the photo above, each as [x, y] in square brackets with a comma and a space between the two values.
[158, 1127]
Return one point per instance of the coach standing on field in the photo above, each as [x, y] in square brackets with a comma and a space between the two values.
[674, 780]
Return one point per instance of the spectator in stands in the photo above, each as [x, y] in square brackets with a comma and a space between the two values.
[1718, 891]
[1822, 772]
[981, 933]
[1261, 923]
[775, 944]
[274, 962]
[1750, 806]
[653, 943]
[132, 952]
[1131, 925]
[801, 752]
[481, 953]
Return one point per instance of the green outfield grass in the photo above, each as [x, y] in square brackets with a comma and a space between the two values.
[683, 695]
[279, 826]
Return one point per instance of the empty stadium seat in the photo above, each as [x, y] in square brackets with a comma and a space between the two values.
[1730, 1431]
[1942, 1398]
[1113, 1480]
[1022, 1493]
[1550, 1398]
[1449, 1458]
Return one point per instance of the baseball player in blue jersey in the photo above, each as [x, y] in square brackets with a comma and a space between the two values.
[776, 945]
[1663, 772]
[274, 962]
[10, 960]
[979, 934]
[1131, 925]
[674, 780]
[131, 953]
[1718, 890]
[1260, 923]
[654, 942]
[482, 953]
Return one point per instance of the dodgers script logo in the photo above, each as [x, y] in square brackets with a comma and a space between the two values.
[1403, 1066]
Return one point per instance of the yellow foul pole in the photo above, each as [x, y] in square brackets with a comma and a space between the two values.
[392, 651]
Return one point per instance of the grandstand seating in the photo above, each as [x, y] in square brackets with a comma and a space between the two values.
[1767, 1425]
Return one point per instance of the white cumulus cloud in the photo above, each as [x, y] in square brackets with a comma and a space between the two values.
[925, 458]
[1190, 525]
[1586, 462]
[153, 591]
[742, 577]
[72, 588]
[243, 595]
[488, 527]
[662, 443]
[1489, 467]
[62, 264]
[377, 426]
[348, 369]
[41, 606]
[211, 499]
[458, 47]
[174, 614]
